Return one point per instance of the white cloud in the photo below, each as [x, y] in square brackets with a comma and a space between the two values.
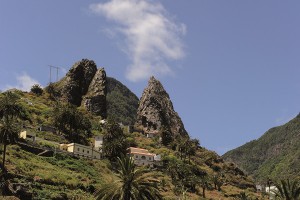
[24, 83]
[152, 37]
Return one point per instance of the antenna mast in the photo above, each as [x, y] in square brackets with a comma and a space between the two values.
[50, 77]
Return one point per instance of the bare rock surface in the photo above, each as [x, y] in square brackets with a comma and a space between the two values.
[156, 111]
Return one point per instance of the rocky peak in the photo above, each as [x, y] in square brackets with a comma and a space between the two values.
[156, 110]
[77, 81]
[85, 85]
[95, 99]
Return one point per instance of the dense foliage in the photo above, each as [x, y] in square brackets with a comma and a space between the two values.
[132, 183]
[71, 122]
[122, 104]
[37, 89]
[275, 155]
[114, 141]
[10, 112]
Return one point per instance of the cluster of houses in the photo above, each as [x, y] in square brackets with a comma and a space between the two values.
[141, 157]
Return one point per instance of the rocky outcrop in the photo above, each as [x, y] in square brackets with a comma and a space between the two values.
[85, 85]
[95, 100]
[77, 81]
[156, 111]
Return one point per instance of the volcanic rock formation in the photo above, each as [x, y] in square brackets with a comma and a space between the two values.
[95, 99]
[77, 81]
[85, 85]
[156, 111]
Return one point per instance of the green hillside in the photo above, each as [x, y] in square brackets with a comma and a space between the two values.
[183, 172]
[274, 155]
[122, 104]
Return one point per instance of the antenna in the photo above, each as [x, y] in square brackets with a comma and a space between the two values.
[50, 77]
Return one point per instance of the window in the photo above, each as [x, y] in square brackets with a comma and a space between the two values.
[82, 150]
[77, 149]
[149, 158]
[136, 156]
[143, 157]
[88, 151]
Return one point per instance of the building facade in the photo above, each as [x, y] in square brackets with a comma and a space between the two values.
[142, 157]
[27, 136]
[81, 150]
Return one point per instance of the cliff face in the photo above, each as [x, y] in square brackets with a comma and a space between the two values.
[85, 85]
[95, 99]
[156, 111]
[77, 81]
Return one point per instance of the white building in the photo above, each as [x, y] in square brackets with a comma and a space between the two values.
[270, 190]
[98, 143]
[81, 150]
[27, 136]
[142, 157]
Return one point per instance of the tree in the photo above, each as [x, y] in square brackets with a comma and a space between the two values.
[217, 180]
[191, 148]
[51, 90]
[70, 121]
[10, 111]
[166, 136]
[114, 140]
[204, 184]
[131, 184]
[287, 190]
[36, 89]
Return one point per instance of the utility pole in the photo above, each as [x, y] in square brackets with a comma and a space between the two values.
[50, 77]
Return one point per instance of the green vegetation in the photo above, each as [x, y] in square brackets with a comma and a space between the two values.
[132, 183]
[187, 170]
[114, 141]
[287, 190]
[122, 104]
[10, 112]
[53, 177]
[74, 124]
[275, 155]
[37, 89]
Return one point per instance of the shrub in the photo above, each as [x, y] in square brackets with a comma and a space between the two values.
[36, 89]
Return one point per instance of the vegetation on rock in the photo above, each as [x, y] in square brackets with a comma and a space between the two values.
[122, 104]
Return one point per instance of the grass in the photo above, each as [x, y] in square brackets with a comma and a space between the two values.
[51, 175]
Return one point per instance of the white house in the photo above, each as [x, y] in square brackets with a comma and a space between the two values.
[81, 150]
[98, 143]
[27, 136]
[142, 157]
[270, 190]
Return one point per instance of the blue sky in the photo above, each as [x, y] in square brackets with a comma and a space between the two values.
[230, 67]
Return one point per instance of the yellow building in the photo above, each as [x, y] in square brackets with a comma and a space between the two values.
[81, 150]
[27, 136]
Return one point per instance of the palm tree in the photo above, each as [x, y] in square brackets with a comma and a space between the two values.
[132, 184]
[10, 110]
[287, 190]
[243, 196]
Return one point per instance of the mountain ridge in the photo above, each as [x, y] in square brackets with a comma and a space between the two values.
[276, 154]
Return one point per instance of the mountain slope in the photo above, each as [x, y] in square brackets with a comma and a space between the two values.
[122, 104]
[275, 155]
